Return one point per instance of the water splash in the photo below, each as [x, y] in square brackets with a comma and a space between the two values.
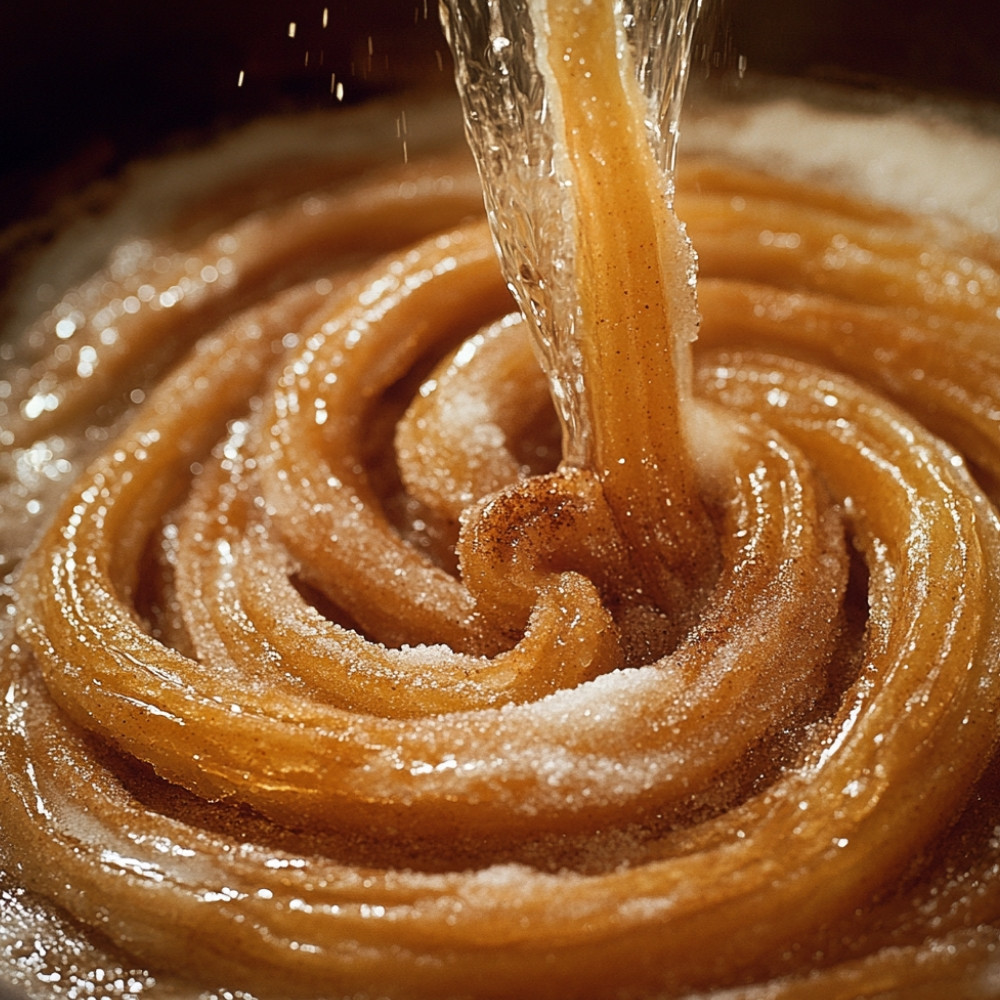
[512, 119]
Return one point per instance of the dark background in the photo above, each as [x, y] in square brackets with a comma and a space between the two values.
[86, 83]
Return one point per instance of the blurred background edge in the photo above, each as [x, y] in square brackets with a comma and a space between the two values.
[86, 86]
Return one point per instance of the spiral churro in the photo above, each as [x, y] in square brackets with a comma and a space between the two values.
[324, 675]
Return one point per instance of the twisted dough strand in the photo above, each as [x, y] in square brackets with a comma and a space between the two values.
[218, 756]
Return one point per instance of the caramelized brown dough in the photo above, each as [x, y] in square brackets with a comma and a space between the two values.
[328, 681]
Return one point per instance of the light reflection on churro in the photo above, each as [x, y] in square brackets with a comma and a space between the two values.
[312, 694]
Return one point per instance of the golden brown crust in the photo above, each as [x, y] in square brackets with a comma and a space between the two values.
[238, 751]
